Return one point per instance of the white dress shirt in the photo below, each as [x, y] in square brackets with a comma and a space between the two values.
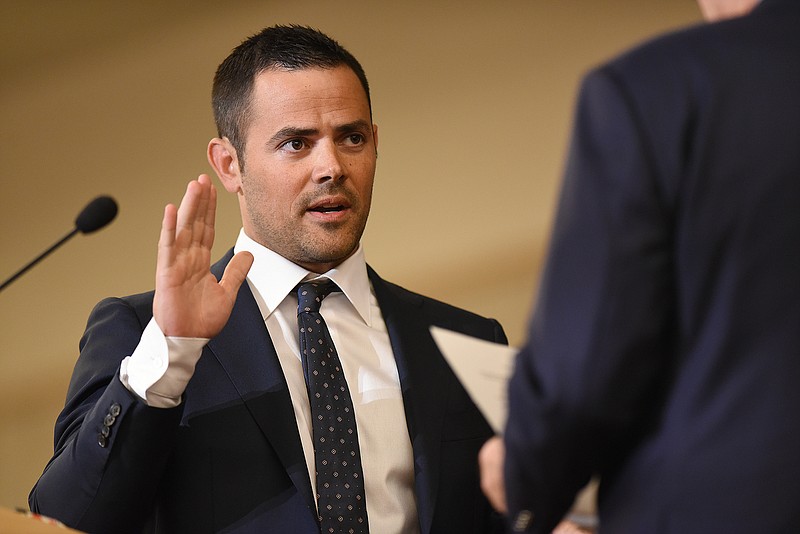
[160, 368]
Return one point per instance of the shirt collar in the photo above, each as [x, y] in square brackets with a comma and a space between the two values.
[273, 277]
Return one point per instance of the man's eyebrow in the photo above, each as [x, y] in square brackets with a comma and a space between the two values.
[292, 131]
[355, 126]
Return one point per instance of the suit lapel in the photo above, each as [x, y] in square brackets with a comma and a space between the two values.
[421, 369]
[245, 351]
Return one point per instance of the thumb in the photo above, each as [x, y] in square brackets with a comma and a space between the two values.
[236, 272]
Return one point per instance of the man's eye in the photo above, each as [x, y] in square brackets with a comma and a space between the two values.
[294, 145]
[355, 139]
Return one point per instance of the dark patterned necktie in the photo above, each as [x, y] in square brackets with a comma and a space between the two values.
[340, 481]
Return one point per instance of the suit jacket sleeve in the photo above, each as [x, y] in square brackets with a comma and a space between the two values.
[90, 473]
[595, 359]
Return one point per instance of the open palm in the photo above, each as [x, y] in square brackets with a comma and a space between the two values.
[189, 301]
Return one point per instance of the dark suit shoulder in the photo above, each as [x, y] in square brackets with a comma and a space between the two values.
[141, 304]
[716, 46]
[433, 306]
[441, 314]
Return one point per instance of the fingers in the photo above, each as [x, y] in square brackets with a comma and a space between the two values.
[187, 209]
[166, 238]
[490, 460]
[188, 231]
[168, 222]
[191, 225]
[209, 217]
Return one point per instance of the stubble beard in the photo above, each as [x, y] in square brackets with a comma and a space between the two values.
[319, 244]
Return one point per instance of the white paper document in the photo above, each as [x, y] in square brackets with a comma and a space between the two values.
[483, 368]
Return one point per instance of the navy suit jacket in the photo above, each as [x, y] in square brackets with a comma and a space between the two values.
[664, 353]
[229, 458]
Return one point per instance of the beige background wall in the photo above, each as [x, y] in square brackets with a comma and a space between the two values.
[473, 101]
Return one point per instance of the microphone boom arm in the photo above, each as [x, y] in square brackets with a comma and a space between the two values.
[39, 258]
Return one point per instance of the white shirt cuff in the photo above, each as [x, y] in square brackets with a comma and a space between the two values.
[160, 367]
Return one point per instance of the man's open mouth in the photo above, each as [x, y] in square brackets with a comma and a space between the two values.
[329, 204]
[327, 209]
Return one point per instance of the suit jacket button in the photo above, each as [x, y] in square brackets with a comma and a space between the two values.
[101, 440]
[115, 409]
[105, 431]
[523, 521]
[109, 420]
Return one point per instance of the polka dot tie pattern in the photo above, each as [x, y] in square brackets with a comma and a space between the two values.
[340, 480]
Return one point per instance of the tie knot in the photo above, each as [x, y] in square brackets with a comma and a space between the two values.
[310, 294]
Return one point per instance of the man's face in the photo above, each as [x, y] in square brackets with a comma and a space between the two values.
[309, 165]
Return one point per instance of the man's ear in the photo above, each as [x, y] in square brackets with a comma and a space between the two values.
[223, 158]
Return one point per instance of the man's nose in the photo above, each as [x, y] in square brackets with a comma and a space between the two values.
[328, 164]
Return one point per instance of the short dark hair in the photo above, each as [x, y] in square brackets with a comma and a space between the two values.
[291, 47]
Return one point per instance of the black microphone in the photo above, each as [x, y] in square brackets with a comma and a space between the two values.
[97, 214]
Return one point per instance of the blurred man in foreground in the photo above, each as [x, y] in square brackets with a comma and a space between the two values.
[664, 351]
